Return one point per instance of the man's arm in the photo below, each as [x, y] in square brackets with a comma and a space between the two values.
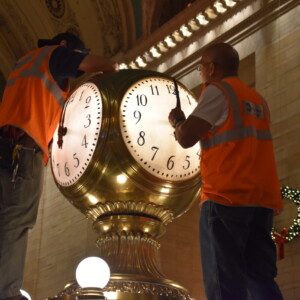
[188, 132]
[95, 63]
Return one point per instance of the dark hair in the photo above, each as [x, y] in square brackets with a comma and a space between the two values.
[225, 57]
[73, 42]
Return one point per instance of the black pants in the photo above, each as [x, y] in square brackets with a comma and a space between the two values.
[238, 253]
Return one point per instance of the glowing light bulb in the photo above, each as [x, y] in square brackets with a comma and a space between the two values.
[25, 294]
[92, 272]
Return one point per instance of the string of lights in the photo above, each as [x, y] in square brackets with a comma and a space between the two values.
[201, 20]
[294, 195]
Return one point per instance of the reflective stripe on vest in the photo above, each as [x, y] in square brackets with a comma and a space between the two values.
[35, 72]
[239, 132]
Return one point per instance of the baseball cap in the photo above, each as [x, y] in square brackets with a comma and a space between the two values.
[73, 42]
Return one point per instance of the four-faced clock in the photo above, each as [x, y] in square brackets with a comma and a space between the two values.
[118, 125]
[81, 118]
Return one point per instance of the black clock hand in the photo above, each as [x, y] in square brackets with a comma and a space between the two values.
[62, 131]
[178, 104]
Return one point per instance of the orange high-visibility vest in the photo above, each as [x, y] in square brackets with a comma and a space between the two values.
[237, 160]
[32, 100]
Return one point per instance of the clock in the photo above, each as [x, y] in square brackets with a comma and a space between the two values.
[116, 126]
[147, 133]
[82, 118]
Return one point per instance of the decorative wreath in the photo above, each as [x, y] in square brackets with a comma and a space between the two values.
[288, 234]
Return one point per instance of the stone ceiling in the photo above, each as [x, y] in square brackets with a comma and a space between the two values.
[108, 27]
[138, 33]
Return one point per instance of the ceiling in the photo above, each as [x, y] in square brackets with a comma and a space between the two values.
[139, 33]
[108, 27]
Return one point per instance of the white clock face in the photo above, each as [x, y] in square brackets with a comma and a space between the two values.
[83, 118]
[147, 133]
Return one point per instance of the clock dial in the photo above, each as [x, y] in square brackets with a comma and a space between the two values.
[82, 118]
[147, 133]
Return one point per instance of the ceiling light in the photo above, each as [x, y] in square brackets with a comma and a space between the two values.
[185, 31]
[169, 41]
[219, 7]
[230, 3]
[140, 62]
[123, 66]
[133, 65]
[154, 52]
[202, 19]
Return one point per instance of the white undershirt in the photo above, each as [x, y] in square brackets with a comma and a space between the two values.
[212, 106]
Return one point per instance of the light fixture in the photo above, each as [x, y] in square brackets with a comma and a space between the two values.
[185, 31]
[230, 3]
[154, 52]
[220, 7]
[211, 12]
[177, 36]
[133, 65]
[202, 19]
[169, 41]
[123, 66]
[194, 25]
[92, 272]
[140, 62]
[162, 47]
[25, 294]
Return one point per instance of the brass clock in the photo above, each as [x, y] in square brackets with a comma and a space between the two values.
[119, 125]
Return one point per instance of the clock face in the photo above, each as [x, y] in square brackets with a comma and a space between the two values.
[83, 118]
[147, 133]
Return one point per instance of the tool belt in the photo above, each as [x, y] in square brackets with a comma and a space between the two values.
[12, 140]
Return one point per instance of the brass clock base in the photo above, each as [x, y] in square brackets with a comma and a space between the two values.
[118, 289]
[122, 289]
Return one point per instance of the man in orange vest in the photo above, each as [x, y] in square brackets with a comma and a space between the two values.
[240, 187]
[29, 114]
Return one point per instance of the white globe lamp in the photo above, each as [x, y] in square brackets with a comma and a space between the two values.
[25, 294]
[92, 272]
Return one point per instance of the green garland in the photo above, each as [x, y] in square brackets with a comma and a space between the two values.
[294, 195]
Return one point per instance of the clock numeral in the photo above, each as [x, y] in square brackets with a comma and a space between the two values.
[84, 142]
[67, 170]
[154, 90]
[155, 149]
[71, 99]
[170, 163]
[58, 171]
[87, 101]
[190, 103]
[141, 100]
[137, 114]
[188, 162]
[171, 89]
[90, 121]
[81, 96]
[77, 160]
[141, 139]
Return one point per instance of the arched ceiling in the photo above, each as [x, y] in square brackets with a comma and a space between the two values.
[139, 33]
[108, 27]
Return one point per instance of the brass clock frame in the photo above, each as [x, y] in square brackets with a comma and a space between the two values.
[111, 157]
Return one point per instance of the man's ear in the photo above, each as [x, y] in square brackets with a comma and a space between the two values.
[63, 43]
[212, 69]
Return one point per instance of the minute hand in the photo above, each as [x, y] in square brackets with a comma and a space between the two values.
[177, 94]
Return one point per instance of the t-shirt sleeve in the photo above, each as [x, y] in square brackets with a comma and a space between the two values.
[212, 106]
[64, 63]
